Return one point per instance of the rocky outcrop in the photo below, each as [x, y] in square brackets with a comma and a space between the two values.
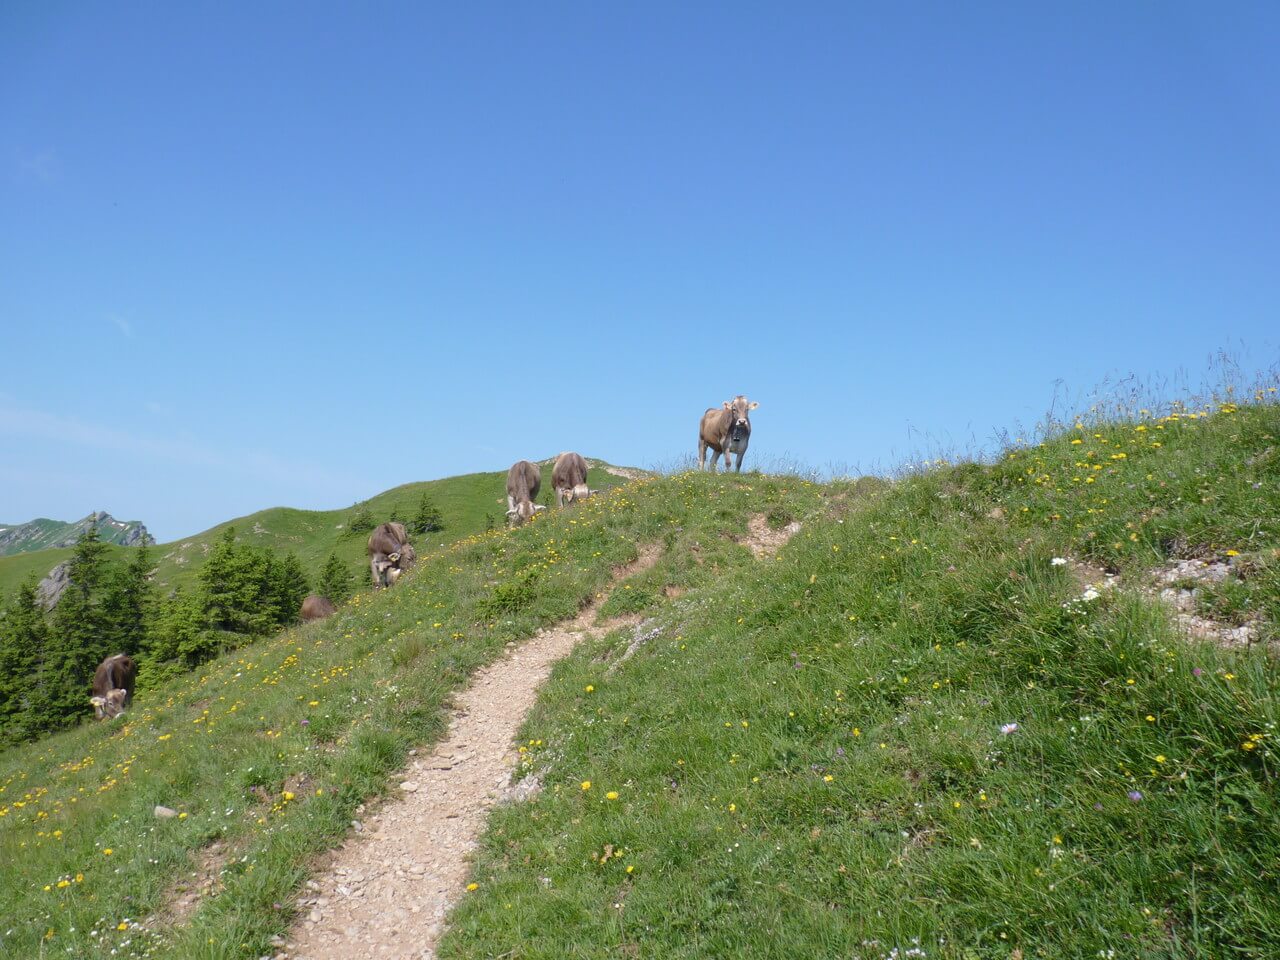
[50, 590]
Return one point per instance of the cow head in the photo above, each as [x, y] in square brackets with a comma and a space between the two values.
[393, 574]
[581, 492]
[522, 511]
[739, 416]
[110, 706]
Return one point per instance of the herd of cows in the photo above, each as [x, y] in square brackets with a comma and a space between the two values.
[724, 430]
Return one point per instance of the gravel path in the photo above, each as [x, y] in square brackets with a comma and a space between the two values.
[386, 891]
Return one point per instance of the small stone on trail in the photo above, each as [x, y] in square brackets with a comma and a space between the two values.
[409, 786]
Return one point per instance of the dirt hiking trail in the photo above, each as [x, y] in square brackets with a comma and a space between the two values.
[384, 893]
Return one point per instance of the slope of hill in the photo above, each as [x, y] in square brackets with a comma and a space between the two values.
[951, 718]
[464, 502]
[43, 534]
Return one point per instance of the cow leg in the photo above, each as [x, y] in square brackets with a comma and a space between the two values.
[559, 498]
[702, 456]
[376, 573]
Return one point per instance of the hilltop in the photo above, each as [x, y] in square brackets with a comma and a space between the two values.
[466, 504]
[43, 534]
[987, 710]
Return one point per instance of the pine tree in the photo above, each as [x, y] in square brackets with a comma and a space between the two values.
[361, 521]
[128, 604]
[78, 639]
[23, 639]
[289, 587]
[428, 519]
[179, 636]
[336, 581]
[236, 591]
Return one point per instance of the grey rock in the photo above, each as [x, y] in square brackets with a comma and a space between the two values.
[50, 590]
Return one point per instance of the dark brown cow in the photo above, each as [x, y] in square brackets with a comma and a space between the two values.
[725, 429]
[524, 480]
[113, 686]
[390, 554]
[569, 479]
[316, 607]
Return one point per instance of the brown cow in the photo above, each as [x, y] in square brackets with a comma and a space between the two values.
[725, 429]
[113, 686]
[569, 479]
[316, 607]
[524, 480]
[390, 554]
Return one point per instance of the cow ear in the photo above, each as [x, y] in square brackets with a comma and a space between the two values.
[97, 701]
[753, 405]
[728, 405]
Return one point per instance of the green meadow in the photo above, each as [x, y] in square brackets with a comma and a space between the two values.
[917, 731]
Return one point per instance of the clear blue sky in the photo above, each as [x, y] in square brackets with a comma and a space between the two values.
[261, 254]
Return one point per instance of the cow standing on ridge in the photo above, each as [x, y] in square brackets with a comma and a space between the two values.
[569, 479]
[390, 554]
[524, 480]
[726, 430]
[113, 686]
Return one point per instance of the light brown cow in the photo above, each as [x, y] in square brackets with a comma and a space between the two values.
[569, 479]
[316, 607]
[524, 480]
[113, 686]
[390, 554]
[725, 429]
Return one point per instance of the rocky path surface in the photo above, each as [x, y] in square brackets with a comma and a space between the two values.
[385, 892]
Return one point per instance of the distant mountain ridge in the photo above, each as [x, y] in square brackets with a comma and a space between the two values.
[43, 534]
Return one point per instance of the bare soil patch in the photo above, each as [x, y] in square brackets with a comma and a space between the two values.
[386, 891]
[763, 540]
[203, 880]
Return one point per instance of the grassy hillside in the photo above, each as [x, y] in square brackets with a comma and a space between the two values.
[314, 534]
[910, 734]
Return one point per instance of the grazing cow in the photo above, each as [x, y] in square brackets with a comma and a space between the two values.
[390, 554]
[113, 686]
[316, 607]
[726, 430]
[569, 479]
[524, 480]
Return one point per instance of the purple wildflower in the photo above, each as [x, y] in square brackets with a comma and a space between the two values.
[1135, 796]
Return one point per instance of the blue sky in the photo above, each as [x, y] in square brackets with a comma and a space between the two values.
[263, 254]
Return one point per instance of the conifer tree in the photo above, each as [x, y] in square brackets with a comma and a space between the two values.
[361, 521]
[128, 604]
[78, 639]
[336, 581]
[236, 589]
[23, 639]
[428, 519]
[289, 587]
[179, 635]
